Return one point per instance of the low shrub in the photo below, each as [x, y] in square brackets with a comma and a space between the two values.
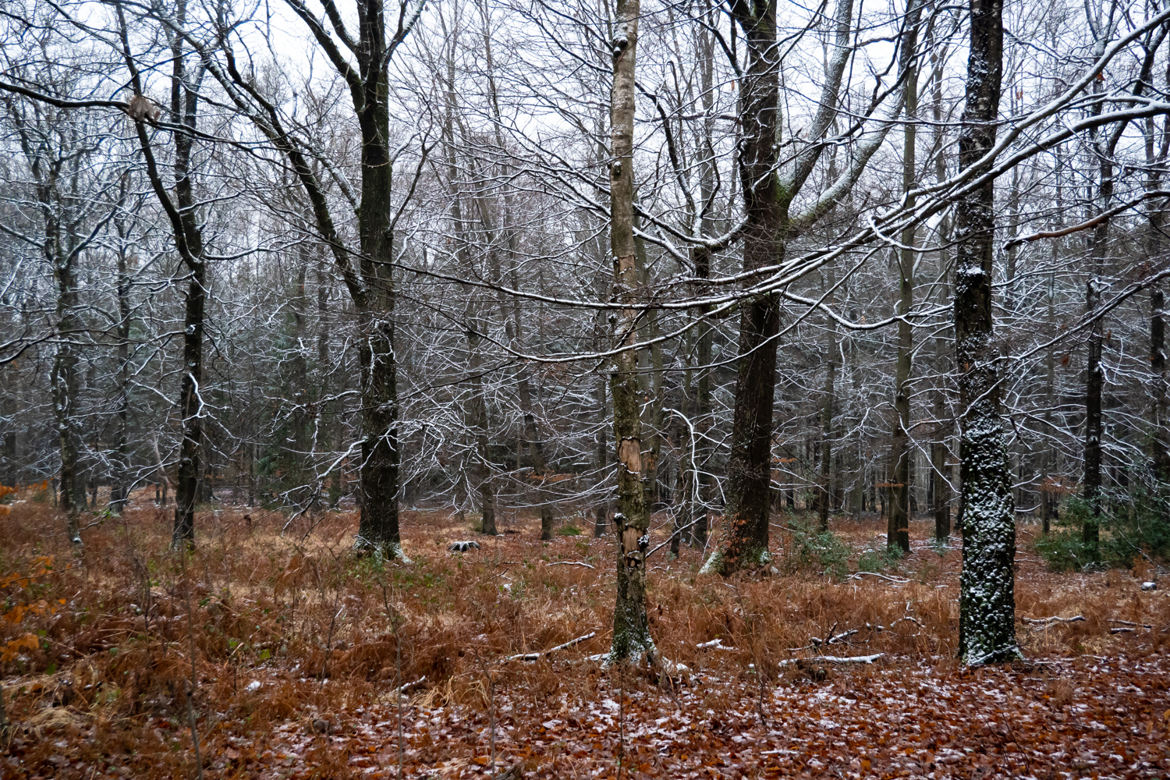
[878, 559]
[1131, 525]
[812, 549]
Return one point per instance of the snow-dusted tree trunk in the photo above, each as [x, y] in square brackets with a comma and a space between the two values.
[987, 584]
[1098, 241]
[631, 630]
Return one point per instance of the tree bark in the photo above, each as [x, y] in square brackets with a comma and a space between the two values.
[378, 523]
[1156, 154]
[825, 497]
[120, 483]
[745, 539]
[1098, 241]
[898, 531]
[66, 381]
[987, 581]
[184, 108]
[631, 631]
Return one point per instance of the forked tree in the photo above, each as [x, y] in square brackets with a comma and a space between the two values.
[770, 187]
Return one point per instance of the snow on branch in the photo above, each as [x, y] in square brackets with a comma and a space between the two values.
[833, 659]
[550, 651]
[1047, 621]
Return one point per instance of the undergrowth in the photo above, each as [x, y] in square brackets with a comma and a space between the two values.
[285, 630]
[811, 549]
[1130, 527]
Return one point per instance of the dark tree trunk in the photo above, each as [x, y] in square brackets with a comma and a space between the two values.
[825, 496]
[120, 483]
[898, 532]
[1098, 242]
[184, 107]
[987, 582]
[479, 424]
[66, 381]
[1156, 155]
[378, 522]
[745, 541]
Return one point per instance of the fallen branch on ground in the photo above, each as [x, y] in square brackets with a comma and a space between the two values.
[571, 563]
[898, 580]
[1054, 619]
[409, 685]
[550, 651]
[714, 644]
[833, 659]
[834, 637]
[1128, 627]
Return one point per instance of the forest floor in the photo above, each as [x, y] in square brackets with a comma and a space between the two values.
[292, 658]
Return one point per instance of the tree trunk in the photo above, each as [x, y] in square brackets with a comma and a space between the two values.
[1048, 496]
[120, 487]
[702, 413]
[479, 424]
[1098, 241]
[1156, 154]
[631, 631]
[378, 523]
[987, 582]
[190, 403]
[745, 540]
[898, 532]
[184, 107]
[66, 381]
[825, 498]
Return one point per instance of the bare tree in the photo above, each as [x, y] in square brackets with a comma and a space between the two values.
[769, 226]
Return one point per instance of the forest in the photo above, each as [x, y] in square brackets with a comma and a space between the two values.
[584, 388]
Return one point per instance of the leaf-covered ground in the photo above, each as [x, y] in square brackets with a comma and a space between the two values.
[292, 658]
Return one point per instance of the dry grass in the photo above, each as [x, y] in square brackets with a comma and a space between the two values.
[293, 636]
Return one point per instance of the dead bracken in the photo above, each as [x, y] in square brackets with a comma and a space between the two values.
[311, 661]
